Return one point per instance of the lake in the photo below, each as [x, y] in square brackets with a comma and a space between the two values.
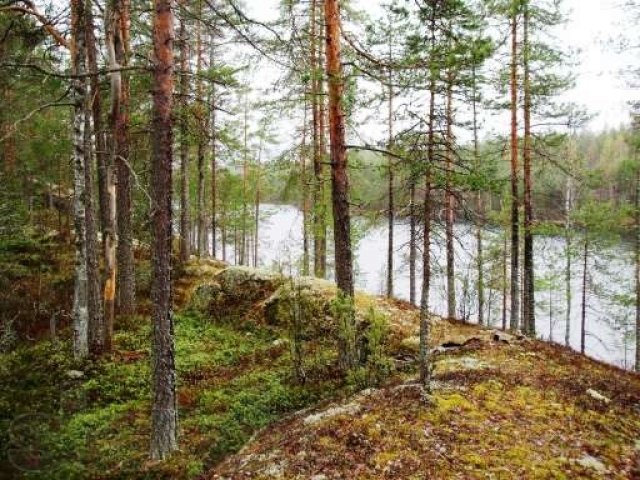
[610, 278]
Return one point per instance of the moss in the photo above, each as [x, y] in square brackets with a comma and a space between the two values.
[98, 425]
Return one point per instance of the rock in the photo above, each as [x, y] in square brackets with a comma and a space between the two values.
[275, 470]
[349, 409]
[234, 292]
[598, 396]
[75, 374]
[462, 363]
[307, 298]
[592, 463]
[503, 337]
[279, 342]
[460, 340]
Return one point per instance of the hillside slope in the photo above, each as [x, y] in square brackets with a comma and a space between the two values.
[501, 407]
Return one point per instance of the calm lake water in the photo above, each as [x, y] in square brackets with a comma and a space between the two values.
[610, 278]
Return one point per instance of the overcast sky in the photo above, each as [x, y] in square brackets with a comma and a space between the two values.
[592, 24]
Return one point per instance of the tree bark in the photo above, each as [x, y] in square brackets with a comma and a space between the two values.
[568, 234]
[185, 234]
[479, 202]
[164, 411]
[425, 359]
[200, 117]
[96, 326]
[94, 141]
[450, 203]
[81, 288]
[637, 261]
[529, 320]
[305, 194]
[126, 266]
[96, 112]
[515, 201]
[390, 197]
[245, 185]
[413, 240]
[583, 319]
[339, 173]
[317, 102]
[214, 158]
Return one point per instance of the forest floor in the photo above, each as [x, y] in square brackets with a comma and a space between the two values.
[500, 407]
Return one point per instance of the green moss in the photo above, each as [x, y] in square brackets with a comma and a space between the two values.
[98, 425]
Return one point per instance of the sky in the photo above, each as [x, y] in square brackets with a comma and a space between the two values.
[591, 27]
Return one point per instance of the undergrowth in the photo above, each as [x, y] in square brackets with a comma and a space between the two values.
[232, 382]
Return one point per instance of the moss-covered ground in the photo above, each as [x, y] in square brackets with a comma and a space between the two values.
[231, 383]
[496, 411]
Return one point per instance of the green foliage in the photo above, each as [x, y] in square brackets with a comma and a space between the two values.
[375, 365]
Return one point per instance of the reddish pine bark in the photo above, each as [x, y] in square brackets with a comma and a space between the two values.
[164, 413]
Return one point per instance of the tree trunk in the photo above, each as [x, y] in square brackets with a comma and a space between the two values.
[214, 159]
[305, 194]
[164, 410]
[93, 133]
[529, 320]
[637, 259]
[200, 117]
[339, 173]
[340, 181]
[413, 240]
[185, 234]
[479, 203]
[583, 320]
[515, 202]
[96, 111]
[425, 358]
[81, 287]
[450, 203]
[505, 289]
[245, 186]
[126, 266]
[256, 213]
[390, 199]
[96, 326]
[317, 102]
[568, 227]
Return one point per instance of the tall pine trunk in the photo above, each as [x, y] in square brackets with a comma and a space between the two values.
[214, 158]
[515, 201]
[450, 202]
[126, 266]
[305, 194]
[202, 132]
[413, 240]
[479, 202]
[390, 200]
[637, 261]
[164, 409]
[317, 108]
[568, 236]
[529, 320]
[585, 276]
[185, 233]
[339, 173]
